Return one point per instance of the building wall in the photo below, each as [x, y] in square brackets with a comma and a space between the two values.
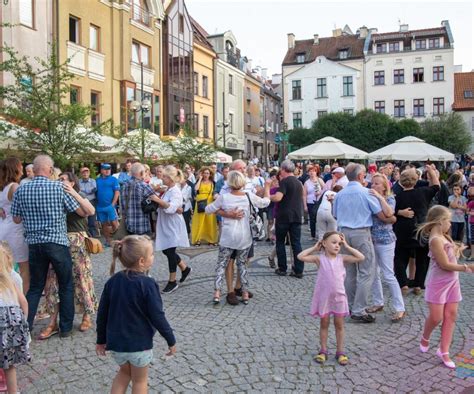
[252, 116]
[204, 66]
[287, 72]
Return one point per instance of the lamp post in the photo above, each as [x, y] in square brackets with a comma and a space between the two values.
[142, 106]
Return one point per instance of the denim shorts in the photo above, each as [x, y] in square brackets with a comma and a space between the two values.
[137, 359]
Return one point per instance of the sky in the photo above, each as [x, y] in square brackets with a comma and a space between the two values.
[261, 26]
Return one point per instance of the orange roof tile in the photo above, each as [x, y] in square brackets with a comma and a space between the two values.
[463, 82]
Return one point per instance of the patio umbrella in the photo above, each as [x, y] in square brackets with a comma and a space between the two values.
[328, 148]
[413, 149]
[222, 157]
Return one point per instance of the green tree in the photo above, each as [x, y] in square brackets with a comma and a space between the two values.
[37, 100]
[448, 132]
[300, 137]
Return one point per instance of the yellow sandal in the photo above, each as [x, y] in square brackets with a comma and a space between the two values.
[342, 359]
[321, 357]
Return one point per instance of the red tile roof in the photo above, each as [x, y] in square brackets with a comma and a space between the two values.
[200, 34]
[328, 47]
[463, 82]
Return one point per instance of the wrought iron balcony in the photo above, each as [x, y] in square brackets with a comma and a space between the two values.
[141, 15]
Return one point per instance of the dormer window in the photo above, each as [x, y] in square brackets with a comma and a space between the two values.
[300, 57]
[381, 48]
[394, 47]
[433, 42]
[343, 53]
[468, 94]
[420, 44]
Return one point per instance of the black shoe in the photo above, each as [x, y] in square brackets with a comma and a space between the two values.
[170, 287]
[185, 273]
[268, 240]
[295, 275]
[238, 293]
[363, 319]
[271, 262]
[65, 334]
[279, 272]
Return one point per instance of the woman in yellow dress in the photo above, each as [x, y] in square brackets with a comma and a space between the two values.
[204, 227]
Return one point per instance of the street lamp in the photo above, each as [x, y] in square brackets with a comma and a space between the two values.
[142, 106]
[224, 125]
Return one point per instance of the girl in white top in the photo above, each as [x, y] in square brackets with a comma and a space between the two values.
[235, 233]
[170, 226]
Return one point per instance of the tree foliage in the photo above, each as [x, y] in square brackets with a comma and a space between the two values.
[37, 100]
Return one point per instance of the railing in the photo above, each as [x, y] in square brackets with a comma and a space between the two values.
[141, 15]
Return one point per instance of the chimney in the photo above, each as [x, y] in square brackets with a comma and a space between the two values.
[363, 32]
[291, 40]
[337, 32]
[403, 28]
[249, 65]
[316, 39]
[264, 73]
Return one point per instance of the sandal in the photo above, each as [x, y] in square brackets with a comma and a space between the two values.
[341, 358]
[217, 298]
[86, 324]
[398, 317]
[245, 297]
[375, 309]
[424, 349]
[48, 332]
[321, 357]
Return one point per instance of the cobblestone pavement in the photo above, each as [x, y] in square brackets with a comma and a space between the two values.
[266, 346]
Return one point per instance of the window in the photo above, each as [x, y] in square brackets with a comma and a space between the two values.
[343, 53]
[156, 115]
[74, 35]
[433, 42]
[95, 104]
[195, 120]
[394, 47]
[349, 111]
[379, 106]
[296, 90]
[231, 84]
[420, 44]
[472, 124]
[379, 78]
[205, 126]
[140, 53]
[297, 120]
[322, 113]
[347, 86]
[468, 94]
[205, 87]
[381, 48]
[438, 73]
[322, 91]
[248, 119]
[231, 123]
[418, 74]
[399, 108]
[140, 12]
[399, 76]
[94, 38]
[196, 84]
[300, 57]
[74, 94]
[418, 107]
[438, 106]
[26, 10]
[181, 23]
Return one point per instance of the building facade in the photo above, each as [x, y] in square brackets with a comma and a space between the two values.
[410, 73]
[253, 114]
[464, 100]
[271, 121]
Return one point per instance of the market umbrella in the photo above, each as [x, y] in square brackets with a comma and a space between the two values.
[221, 157]
[328, 148]
[413, 149]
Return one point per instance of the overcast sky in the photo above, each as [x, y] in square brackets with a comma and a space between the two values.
[261, 26]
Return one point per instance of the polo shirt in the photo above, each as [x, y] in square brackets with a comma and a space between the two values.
[106, 188]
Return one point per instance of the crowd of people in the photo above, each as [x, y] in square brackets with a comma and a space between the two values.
[399, 225]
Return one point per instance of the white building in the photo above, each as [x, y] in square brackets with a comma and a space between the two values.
[323, 75]
[410, 73]
[464, 100]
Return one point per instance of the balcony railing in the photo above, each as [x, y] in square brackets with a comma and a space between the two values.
[141, 15]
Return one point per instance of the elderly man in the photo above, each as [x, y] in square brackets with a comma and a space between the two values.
[29, 174]
[89, 188]
[108, 191]
[353, 208]
[134, 192]
[338, 177]
[42, 206]
[289, 218]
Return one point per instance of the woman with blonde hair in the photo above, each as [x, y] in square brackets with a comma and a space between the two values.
[170, 226]
[384, 240]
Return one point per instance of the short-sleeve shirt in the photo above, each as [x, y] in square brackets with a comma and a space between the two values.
[42, 205]
[457, 215]
[470, 207]
[106, 188]
[382, 233]
[290, 208]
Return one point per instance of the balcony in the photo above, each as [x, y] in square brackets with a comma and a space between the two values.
[141, 15]
[77, 58]
[96, 67]
[148, 75]
[232, 59]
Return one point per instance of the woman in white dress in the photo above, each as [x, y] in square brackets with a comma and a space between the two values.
[170, 226]
[11, 171]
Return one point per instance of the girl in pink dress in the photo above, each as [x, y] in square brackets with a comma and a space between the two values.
[443, 292]
[329, 297]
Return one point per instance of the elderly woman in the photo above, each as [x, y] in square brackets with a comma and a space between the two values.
[311, 192]
[170, 226]
[235, 234]
[411, 209]
[384, 239]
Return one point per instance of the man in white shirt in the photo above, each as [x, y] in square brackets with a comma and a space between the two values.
[338, 178]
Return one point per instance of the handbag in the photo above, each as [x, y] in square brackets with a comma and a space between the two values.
[257, 228]
[149, 206]
[93, 245]
[202, 204]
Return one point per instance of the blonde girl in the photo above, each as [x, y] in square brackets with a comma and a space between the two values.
[443, 291]
[329, 297]
[130, 311]
[13, 325]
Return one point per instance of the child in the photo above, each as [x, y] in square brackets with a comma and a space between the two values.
[329, 297]
[443, 291]
[457, 205]
[13, 325]
[130, 311]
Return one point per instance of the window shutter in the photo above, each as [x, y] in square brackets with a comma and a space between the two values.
[26, 12]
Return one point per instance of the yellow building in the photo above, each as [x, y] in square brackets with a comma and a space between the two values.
[112, 46]
[203, 84]
[253, 114]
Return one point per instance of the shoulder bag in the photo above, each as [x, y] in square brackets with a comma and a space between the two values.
[93, 245]
[256, 223]
[202, 204]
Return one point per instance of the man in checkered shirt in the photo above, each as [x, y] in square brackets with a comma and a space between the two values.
[42, 206]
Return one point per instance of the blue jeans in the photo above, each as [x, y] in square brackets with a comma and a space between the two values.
[294, 231]
[312, 219]
[457, 229]
[40, 256]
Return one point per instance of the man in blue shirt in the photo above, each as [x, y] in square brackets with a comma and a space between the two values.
[108, 191]
[353, 208]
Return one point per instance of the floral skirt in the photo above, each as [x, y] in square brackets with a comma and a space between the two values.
[15, 337]
[85, 299]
